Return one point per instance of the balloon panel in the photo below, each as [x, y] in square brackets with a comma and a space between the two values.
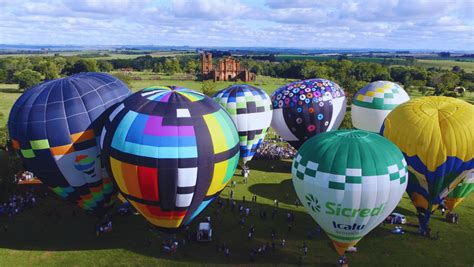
[305, 108]
[461, 191]
[55, 127]
[251, 110]
[171, 151]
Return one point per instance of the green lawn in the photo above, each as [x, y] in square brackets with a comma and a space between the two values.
[467, 66]
[8, 94]
[35, 238]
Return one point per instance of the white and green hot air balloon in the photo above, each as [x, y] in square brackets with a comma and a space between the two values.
[373, 102]
[349, 181]
[251, 110]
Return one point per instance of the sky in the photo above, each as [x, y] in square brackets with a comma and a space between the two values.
[384, 24]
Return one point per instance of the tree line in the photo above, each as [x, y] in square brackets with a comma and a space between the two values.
[351, 75]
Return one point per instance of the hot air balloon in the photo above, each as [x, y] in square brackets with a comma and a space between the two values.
[372, 104]
[55, 127]
[436, 136]
[171, 151]
[303, 109]
[459, 193]
[349, 181]
[251, 110]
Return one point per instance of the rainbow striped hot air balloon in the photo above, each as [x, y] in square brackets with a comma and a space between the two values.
[171, 151]
[55, 127]
[436, 136]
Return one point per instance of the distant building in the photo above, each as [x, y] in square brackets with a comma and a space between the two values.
[227, 69]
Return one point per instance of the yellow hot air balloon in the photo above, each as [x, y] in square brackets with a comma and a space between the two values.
[436, 136]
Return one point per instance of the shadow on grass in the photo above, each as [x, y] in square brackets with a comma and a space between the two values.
[10, 90]
[405, 212]
[53, 226]
[283, 166]
[284, 192]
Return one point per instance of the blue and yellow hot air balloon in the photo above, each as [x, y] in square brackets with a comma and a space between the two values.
[55, 127]
[171, 151]
[436, 136]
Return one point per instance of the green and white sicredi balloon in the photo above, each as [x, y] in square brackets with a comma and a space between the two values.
[349, 181]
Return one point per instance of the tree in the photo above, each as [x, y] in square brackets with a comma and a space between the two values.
[83, 65]
[363, 72]
[191, 67]
[443, 82]
[3, 76]
[105, 66]
[380, 73]
[347, 121]
[316, 72]
[27, 78]
[48, 69]
[171, 66]
[157, 67]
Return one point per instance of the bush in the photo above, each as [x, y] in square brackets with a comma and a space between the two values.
[3, 136]
[27, 78]
[347, 121]
[451, 94]
[208, 88]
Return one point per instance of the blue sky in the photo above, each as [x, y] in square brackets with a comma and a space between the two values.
[388, 24]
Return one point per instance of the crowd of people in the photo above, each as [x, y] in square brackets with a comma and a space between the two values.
[273, 149]
[17, 203]
[244, 214]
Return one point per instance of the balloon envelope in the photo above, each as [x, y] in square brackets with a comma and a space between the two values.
[372, 104]
[459, 193]
[349, 181]
[55, 127]
[251, 110]
[436, 136]
[171, 151]
[305, 108]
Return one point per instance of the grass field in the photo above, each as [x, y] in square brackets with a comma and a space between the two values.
[50, 235]
[467, 66]
[8, 94]
[284, 57]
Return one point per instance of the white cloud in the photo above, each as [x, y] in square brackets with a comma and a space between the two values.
[324, 23]
[209, 9]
